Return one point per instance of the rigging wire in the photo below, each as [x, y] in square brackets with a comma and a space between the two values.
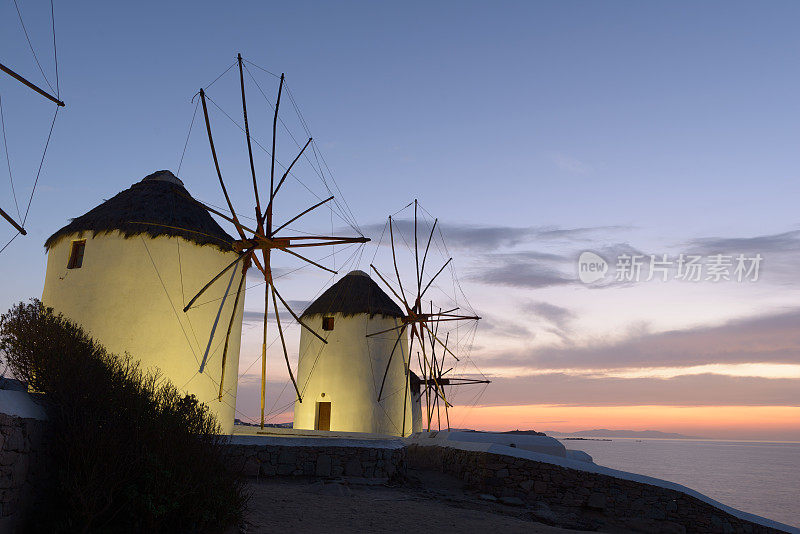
[8, 159]
[55, 47]
[25, 30]
[293, 175]
[188, 341]
[41, 163]
[188, 134]
[207, 87]
[352, 222]
[9, 242]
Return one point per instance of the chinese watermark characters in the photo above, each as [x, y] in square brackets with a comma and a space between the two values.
[663, 267]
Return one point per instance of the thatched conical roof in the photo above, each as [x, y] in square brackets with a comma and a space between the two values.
[159, 205]
[355, 293]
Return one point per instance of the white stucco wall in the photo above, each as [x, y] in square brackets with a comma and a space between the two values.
[118, 297]
[349, 371]
[417, 409]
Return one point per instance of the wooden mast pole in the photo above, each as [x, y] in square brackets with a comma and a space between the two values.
[7, 217]
[247, 136]
[39, 90]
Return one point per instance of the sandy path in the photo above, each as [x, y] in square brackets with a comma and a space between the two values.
[288, 505]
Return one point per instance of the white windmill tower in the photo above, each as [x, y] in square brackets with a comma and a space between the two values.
[340, 379]
[125, 269]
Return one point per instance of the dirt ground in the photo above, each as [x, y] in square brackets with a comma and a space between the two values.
[427, 500]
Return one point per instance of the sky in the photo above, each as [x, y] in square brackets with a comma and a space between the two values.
[533, 131]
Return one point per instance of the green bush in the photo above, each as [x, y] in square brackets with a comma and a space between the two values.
[130, 453]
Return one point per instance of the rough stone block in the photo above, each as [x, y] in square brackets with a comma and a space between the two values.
[596, 501]
[268, 470]
[285, 469]
[251, 467]
[353, 468]
[324, 465]
[287, 457]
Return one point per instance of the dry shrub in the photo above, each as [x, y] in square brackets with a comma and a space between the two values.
[130, 453]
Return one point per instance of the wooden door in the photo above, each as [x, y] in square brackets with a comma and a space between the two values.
[323, 416]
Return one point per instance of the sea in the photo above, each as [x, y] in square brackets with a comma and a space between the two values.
[759, 477]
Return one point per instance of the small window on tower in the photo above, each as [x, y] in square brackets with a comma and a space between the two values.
[327, 323]
[76, 254]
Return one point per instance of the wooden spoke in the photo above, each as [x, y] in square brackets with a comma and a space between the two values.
[288, 170]
[416, 251]
[344, 241]
[458, 318]
[440, 312]
[390, 288]
[434, 277]
[216, 319]
[293, 253]
[405, 389]
[394, 259]
[440, 342]
[13, 223]
[230, 325]
[247, 136]
[235, 219]
[387, 330]
[220, 214]
[283, 344]
[430, 237]
[216, 277]
[290, 221]
[453, 316]
[272, 164]
[258, 264]
[32, 86]
[447, 415]
[438, 413]
[360, 239]
[296, 318]
[389, 362]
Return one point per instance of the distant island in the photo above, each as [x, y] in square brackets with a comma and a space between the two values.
[606, 433]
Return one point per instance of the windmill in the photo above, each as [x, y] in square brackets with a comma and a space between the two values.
[19, 223]
[422, 325]
[436, 377]
[257, 246]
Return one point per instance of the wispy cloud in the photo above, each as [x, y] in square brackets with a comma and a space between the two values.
[773, 338]
[502, 327]
[780, 252]
[535, 269]
[692, 390]
[516, 270]
[485, 237]
[561, 318]
[786, 242]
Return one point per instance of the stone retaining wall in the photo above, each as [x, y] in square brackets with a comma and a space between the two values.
[613, 501]
[22, 468]
[319, 460]
[606, 500]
